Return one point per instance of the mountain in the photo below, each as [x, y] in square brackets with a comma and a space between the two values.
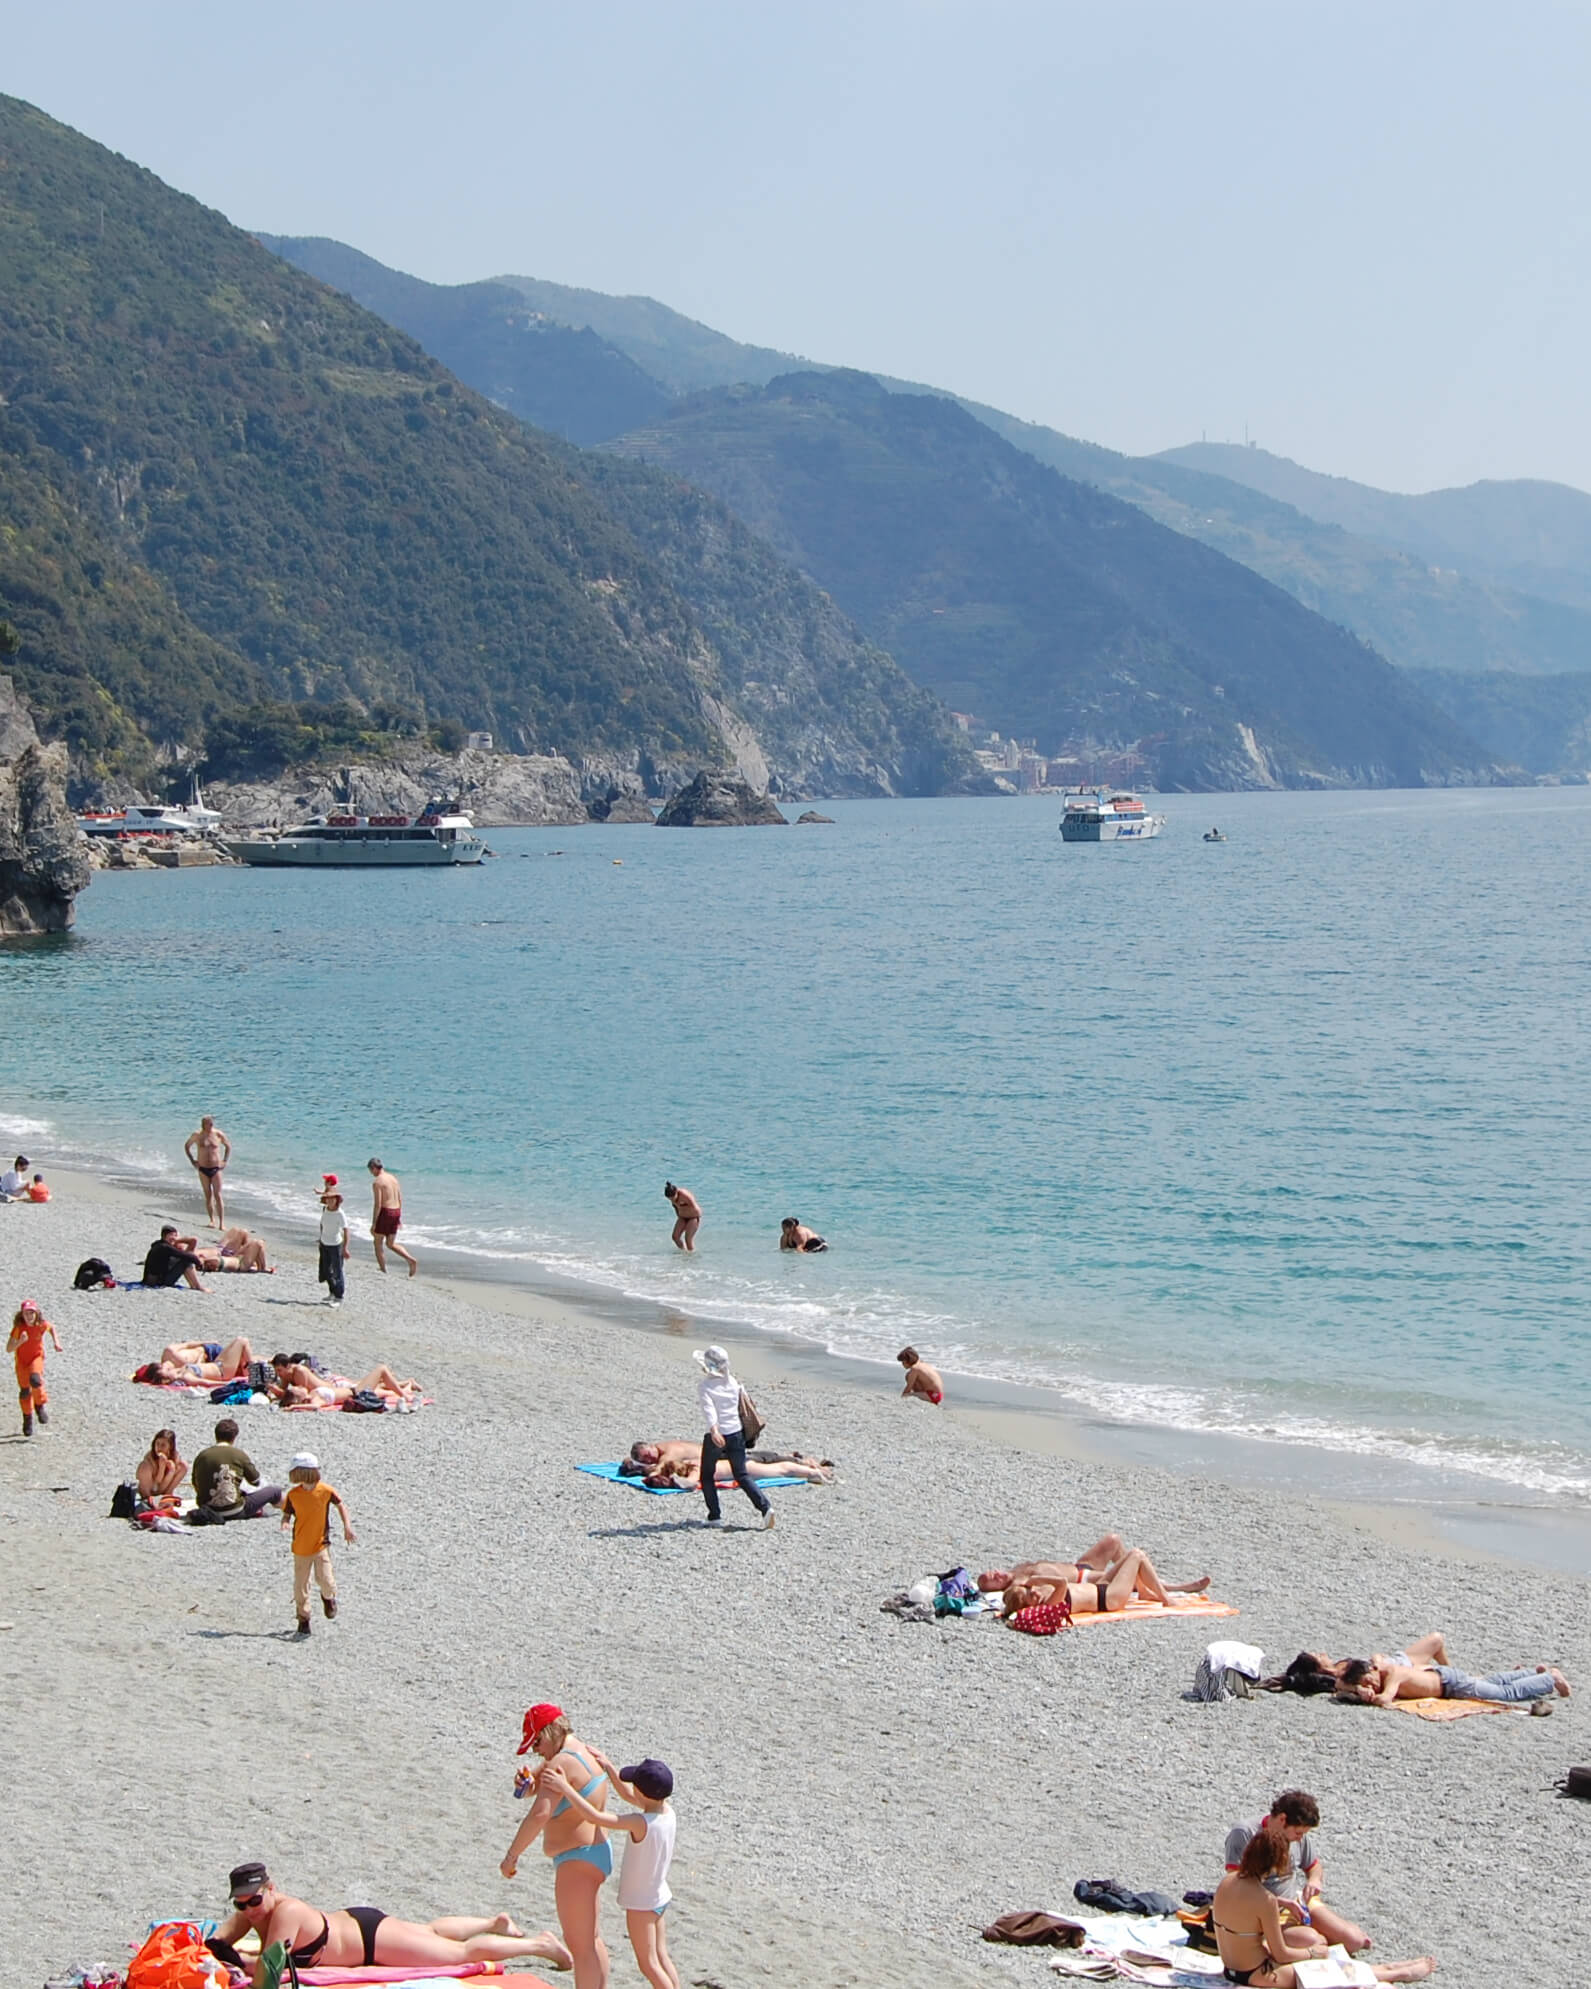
[230, 490]
[1043, 606]
[1417, 616]
[549, 374]
[1541, 723]
[1528, 535]
[677, 351]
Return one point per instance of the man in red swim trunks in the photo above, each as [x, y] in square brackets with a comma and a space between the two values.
[386, 1215]
[921, 1380]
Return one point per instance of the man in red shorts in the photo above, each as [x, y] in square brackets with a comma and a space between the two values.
[386, 1216]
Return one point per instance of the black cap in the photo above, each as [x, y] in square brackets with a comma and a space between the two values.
[652, 1777]
[244, 1879]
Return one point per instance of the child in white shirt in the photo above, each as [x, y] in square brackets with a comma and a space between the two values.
[643, 1877]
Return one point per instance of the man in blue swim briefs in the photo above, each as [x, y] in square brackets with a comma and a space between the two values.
[208, 1152]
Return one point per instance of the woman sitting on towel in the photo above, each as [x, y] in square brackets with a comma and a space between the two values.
[1255, 1947]
[364, 1937]
[161, 1470]
[687, 1472]
[1132, 1579]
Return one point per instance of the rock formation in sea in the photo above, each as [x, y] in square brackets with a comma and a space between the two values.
[43, 864]
[812, 815]
[718, 800]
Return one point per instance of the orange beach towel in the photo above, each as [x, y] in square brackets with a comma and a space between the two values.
[1139, 1612]
[1450, 1709]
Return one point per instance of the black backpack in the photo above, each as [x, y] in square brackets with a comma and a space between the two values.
[124, 1501]
[93, 1274]
[365, 1402]
[1576, 1783]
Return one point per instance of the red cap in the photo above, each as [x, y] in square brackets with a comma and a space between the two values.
[330, 1180]
[537, 1720]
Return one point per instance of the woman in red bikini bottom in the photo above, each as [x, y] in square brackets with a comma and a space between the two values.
[365, 1937]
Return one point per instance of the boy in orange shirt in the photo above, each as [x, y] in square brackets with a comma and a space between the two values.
[308, 1505]
[26, 1344]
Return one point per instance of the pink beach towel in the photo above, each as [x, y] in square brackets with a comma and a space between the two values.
[1156, 1612]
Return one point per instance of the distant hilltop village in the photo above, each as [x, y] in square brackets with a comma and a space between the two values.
[1019, 767]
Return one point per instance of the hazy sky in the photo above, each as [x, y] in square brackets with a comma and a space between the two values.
[1362, 230]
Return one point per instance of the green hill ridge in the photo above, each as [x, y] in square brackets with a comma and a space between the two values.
[1044, 606]
[222, 482]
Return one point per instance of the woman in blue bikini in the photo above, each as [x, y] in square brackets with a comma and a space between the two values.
[581, 1857]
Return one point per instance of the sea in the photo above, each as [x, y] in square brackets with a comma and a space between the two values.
[1279, 1143]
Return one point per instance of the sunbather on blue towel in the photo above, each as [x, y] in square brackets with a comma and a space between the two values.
[661, 1463]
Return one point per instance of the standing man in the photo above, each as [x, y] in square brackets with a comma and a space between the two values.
[333, 1240]
[386, 1215]
[1296, 1815]
[687, 1214]
[208, 1152]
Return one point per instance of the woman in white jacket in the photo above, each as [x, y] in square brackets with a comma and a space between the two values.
[718, 1392]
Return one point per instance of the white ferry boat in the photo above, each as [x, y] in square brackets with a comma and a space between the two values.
[1092, 816]
[190, 819]
[439, 834]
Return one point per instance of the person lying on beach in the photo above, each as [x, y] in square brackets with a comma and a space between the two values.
[1313, 1672]
[363, 1936]
[794, 1235]
[160, 1470]
[687, 1473]
[1104, 1553]
[171, 1260]
[303, 1388]
[228, 1361]
[653, 1458]
[1378, 1681]
[922, 1380]
[1132, 1579]
[1255, 1946]
[237, 1251]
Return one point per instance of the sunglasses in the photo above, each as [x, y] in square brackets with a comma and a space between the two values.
[248, 1905]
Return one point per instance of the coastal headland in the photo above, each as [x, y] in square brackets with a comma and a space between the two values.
[857, 1796]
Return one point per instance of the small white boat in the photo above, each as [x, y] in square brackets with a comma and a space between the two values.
[1093, 816]
[1214, 836]
[440, 833]
[189, 819]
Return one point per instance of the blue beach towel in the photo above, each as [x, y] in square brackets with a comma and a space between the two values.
[616, 1477]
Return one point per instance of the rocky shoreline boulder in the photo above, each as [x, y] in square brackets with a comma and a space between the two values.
[812, 815]
[43, 861]
[719, 800]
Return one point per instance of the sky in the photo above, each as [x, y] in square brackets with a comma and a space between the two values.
[1357, 233]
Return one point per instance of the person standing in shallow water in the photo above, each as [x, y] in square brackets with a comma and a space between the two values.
[208, 1152]
[386, 1216]
[687, 1215]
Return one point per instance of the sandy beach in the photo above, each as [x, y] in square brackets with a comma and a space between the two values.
[856, 1796]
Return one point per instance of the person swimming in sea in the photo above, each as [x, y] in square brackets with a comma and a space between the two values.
[794, 1235]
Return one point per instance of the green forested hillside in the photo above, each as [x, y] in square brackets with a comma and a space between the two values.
[549, 374]
[222, 483]
[1042, 605]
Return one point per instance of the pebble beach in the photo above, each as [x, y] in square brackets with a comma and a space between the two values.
[857, 1796]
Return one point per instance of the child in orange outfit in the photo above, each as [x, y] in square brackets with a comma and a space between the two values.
[26, 1343]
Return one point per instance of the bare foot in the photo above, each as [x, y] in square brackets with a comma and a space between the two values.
[1560, 1683]
[548, 1947]
[1188, 1588]
[414, 1270]
[504, 1925]
[1407, 1971]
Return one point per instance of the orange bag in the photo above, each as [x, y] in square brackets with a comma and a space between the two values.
[174, 1957]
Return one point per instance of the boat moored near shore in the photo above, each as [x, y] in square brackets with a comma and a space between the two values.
[439, 834]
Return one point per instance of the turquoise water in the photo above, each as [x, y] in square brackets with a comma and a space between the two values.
[1283, 1138]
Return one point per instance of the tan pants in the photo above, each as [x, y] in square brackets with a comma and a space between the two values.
[318, 1564]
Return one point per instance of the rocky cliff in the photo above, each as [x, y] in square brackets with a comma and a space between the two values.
[500, 790]
[719, 801]
[43, 864]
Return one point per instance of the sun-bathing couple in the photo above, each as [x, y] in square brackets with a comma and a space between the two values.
[302, 1388]
[363, 1936]
[1421, 1671]
[674, 1461]
[1259, 1932]
[1103, 1579]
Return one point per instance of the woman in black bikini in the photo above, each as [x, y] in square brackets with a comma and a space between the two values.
[365, 1937]
[1255, 1947]
[1132, 1577]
